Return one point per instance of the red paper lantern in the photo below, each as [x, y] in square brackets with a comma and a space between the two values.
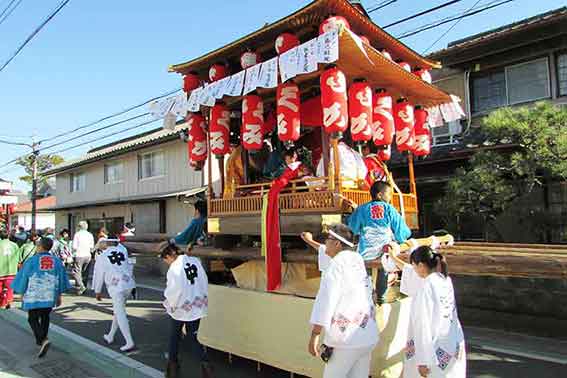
[249, 59]
[360, 111]
[288, 111]
[220, 129]
[404, 121]
[252, 122]
[385, 154]
[365, 39]
[285, 42]
[334, 100]
[405, 65]
[386, 54]
[383, 129]
[332, 23]
[217, 71]
[422, 145]
[197, 145]
[424, 74]
[190, 82]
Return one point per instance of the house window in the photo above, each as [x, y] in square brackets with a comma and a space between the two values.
[78, 182]
[446, 134]
[515, 84]
[113, 173]
[562, 74]
[151, 164]
[528, 81]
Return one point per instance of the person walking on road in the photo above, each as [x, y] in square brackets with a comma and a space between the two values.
[113, 269]
[345, 310]
[9, 259]
[41, 281]
[83, 245]
[186, 301]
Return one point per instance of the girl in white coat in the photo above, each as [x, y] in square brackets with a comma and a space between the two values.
[113, 269]
[436, 344]
[186, 302]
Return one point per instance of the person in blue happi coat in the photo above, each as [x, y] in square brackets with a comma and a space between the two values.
[377, 223]
[195, 232]
[41, 281]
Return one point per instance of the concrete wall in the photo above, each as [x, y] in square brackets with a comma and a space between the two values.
[178, 177]
[43, 220]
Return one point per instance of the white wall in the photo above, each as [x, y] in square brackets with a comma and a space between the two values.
[42, 220]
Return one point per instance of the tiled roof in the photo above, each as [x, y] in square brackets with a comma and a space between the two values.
[120, 147]
[41, 204]
[502, 31]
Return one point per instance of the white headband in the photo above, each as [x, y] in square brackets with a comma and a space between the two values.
[108, 240]
[340, 238]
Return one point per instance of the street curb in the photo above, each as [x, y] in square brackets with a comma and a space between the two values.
[116, 364]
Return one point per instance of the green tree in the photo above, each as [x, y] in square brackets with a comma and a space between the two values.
[494, 179]
[44, 162]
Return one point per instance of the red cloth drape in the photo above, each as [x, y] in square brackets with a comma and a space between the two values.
[273, 247]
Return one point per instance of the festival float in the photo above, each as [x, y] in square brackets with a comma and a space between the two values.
[329, 83]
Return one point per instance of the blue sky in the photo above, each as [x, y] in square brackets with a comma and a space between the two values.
[98, 57]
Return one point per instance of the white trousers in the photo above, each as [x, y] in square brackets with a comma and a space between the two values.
[120, 319]
[349, 363]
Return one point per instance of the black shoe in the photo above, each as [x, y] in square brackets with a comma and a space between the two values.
[44, 348]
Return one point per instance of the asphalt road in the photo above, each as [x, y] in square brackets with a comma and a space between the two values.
[150, 327]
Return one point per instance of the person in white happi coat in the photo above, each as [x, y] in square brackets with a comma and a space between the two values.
[186, 302]
[436, 343]
[345, 310]
[113, 269]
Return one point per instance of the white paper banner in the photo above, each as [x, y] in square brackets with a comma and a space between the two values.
[251, 81]
[268, 77]
[180, 106]
[220, 89]
[328, 47]
[234, 88]
[307, 57]
[288, 64]
[435, 119]
[192, 104]
[159, 108]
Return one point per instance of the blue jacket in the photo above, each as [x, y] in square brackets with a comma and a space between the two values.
[193, 232]
[377, 223]
[41, 280]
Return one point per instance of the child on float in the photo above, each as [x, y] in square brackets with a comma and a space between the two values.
[436, 344]
[113, 269]
[186, 302]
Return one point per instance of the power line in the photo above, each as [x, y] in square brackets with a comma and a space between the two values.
[383, 4]
[469, 14]
[94, 131]
[422, 13]
[14, 143]
[2, 19]
[107, 136]
[66, 133]
[450, 28]
[7, 7]
[34, 33]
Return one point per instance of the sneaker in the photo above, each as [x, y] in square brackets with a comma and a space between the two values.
[127, 348]
[108, 339]
[44, 348]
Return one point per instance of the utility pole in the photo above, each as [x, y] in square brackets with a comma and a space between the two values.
[33, 156]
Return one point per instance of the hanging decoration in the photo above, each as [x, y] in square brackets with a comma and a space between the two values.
[385, 154]
[404, 120]
[405, 65]
[360, 110]
[252, 122]
[334, 100]
[333, 23]
[422, 145]
[218, 71]
[220, 129]
[249, 59]
[386, 54]
[424, 74]
[288, 112]
[191, 81]
[197, 144]
[383, 129]
[365, 39]
[286, 41]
